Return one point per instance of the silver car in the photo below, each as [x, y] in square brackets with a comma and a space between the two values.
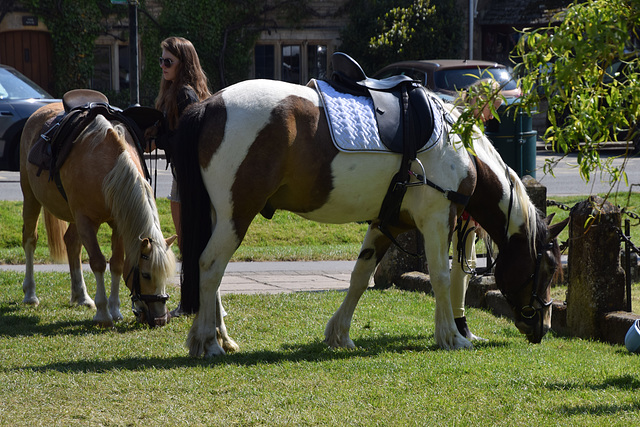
[19, 98]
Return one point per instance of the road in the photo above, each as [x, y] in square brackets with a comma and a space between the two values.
[565, 181]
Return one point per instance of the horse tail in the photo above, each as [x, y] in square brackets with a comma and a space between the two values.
[195, 204]
[55, 237]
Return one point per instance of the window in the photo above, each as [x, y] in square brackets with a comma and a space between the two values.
[291, 63]
[110, 67]
[123, 67]
[317, 61]
[265, 61]
[101, 79]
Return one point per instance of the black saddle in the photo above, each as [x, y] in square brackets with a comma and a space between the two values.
[81, 107]
[402, 107]
[405, 122]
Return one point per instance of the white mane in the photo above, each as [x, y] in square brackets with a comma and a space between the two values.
[130, 199]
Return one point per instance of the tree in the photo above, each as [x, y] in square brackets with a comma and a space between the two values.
[586, 65]
[380, 32]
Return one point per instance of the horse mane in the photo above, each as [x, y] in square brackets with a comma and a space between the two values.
[130, 200]
[521, 203]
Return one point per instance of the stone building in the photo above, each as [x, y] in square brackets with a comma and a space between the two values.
[282, 53]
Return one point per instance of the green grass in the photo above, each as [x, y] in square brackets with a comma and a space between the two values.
[286, 237]
[59, 369]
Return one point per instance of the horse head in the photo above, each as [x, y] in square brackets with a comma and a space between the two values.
[526, 285]
[147, 281]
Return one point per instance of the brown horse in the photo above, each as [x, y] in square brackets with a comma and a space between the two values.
[261, 145]
[104, 182]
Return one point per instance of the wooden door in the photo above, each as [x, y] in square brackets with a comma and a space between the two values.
[31, 53]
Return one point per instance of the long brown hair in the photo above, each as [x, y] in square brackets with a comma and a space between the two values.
[189, 73]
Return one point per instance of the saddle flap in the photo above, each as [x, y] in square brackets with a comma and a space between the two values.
[144, 117]
[388, 111]
[79, 97]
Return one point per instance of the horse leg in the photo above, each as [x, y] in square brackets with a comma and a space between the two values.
[30, 214]
[460, 281]
[202, 337]
[79, 293]
[336, 333]
[116, 265]
[224, 340]
[446, 332]
[87, 231]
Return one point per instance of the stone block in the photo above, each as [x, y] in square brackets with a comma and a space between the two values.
[596, 279]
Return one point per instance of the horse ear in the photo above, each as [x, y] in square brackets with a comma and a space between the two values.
[169, 241]
[549, 218]
[145, 246]
[556, 228]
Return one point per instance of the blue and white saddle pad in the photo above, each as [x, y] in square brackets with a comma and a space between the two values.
[352, 121]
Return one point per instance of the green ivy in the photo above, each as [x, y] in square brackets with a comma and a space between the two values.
[74, 26]
[222, 31]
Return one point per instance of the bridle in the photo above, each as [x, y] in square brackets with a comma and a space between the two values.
[529, 311]
[138, 297]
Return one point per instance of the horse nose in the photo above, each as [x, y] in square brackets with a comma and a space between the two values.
[162, 320]
[534, 333]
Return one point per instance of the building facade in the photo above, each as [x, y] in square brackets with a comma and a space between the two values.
[281, 52]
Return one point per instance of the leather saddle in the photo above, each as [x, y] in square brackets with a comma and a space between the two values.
[81, 106]
[405, 122]
[402, 107]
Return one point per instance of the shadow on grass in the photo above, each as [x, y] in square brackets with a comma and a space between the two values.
[316, 351]
[624, 382]
[598, 409]
[16, 322]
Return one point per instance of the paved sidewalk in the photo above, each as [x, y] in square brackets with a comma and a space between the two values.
[260, 277]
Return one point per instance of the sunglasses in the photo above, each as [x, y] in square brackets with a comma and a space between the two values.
[167, 62]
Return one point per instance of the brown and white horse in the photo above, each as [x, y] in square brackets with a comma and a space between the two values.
[261, 145]
[104, 181]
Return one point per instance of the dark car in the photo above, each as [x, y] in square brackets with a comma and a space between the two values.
[19, 98]
[446, 77]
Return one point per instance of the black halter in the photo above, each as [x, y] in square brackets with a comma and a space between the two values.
[138, 296]
[529, 312]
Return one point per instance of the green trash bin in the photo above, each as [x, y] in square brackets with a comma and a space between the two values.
[514, 140]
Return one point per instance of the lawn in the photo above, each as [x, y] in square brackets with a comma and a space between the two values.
[59, 369]
[286, 237]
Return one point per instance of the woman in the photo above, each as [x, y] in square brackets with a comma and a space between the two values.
[183, 83]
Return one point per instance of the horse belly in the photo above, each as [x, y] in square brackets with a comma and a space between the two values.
[47, 194]
[360, 183]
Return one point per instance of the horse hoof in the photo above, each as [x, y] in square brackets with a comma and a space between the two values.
[83, 302]
[104, 324]
[214, 351]
[230, 346]
[340, 343]
[34, 301]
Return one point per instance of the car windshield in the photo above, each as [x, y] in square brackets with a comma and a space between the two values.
[457, 79]
[14, 85]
